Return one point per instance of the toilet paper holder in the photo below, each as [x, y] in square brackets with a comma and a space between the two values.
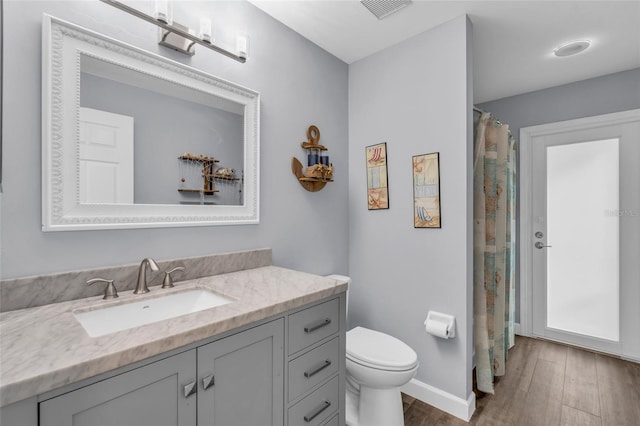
[440, 325]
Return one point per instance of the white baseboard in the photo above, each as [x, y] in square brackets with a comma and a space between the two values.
[630, 358]
[462, 409]
[516, 329]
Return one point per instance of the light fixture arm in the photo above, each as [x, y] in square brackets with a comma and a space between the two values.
[173, 29]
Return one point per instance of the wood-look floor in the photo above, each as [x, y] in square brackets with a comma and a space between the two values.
[549, 384]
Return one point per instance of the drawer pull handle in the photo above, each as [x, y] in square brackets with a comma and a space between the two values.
[316, 325]
[190, 389]
[207, 382]
[315, 370]
[315, 413]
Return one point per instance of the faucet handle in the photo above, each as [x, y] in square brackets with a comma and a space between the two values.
[110, 291]
[168, 280]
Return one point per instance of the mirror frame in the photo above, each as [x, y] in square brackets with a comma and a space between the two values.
[62, 45]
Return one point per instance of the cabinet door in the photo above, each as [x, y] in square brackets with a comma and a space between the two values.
[244, 373]
[151, 395]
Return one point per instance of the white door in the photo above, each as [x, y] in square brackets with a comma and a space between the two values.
[106, 157]
[582, 233]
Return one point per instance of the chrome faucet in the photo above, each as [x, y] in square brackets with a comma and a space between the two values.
[142, 275]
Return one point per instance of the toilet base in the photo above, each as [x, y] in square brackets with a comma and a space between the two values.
[374, 407]
[351, 408]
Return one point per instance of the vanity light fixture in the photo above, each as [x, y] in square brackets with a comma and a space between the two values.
[571, 48]
[177, 36]
[175, 41]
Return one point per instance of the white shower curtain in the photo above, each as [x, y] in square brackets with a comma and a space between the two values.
[494, 248]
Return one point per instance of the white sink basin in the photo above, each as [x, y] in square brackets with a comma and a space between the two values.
[101, 321]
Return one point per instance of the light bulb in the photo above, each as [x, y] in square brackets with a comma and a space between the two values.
[205, 29]
[164, 11]
[242, 46]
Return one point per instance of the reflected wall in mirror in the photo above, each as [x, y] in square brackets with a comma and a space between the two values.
[166, 124]
[126, 134]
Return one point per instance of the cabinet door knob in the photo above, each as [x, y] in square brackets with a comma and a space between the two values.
[207, 382]
[190, 389]
[315, 413]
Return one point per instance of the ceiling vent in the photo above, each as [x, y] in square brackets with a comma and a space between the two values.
[383, 8]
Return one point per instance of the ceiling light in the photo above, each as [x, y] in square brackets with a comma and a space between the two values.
[571, 48]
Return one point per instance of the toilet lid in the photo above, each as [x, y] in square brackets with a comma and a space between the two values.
[379, 350]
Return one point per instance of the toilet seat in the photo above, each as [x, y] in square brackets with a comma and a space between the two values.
[378, 350]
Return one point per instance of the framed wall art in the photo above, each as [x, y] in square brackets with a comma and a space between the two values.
[377, 183]
[426, 191]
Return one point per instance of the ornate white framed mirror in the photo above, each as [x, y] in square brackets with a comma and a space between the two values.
[161, 124]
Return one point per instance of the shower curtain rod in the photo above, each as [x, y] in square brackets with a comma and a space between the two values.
[497, 122]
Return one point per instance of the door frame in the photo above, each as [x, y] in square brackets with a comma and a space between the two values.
[527, 135]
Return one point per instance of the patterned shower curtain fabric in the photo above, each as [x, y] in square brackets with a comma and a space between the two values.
[493, 251]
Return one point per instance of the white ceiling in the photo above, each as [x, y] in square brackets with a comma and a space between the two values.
[513, 40]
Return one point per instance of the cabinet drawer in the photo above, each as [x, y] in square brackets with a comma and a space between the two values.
[314, 367]
[313, 324]
[335, 421]
[317, 407]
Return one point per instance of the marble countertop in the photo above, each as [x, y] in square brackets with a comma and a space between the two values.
[45, 347]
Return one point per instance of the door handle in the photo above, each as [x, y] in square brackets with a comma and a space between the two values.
[540, 245]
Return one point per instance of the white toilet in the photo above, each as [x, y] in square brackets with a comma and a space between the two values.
[377, 366]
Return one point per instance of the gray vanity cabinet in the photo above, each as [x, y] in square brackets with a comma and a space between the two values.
[241, 378]
[145, 396]
[288, 371]
[315, 367]
[237, 380]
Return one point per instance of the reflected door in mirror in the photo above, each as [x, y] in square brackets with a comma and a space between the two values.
[106, 157]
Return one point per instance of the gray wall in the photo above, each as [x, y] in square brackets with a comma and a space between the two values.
[164, 128]
[596, 96]
[300, 85]
[602, 95]
[416, 97]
